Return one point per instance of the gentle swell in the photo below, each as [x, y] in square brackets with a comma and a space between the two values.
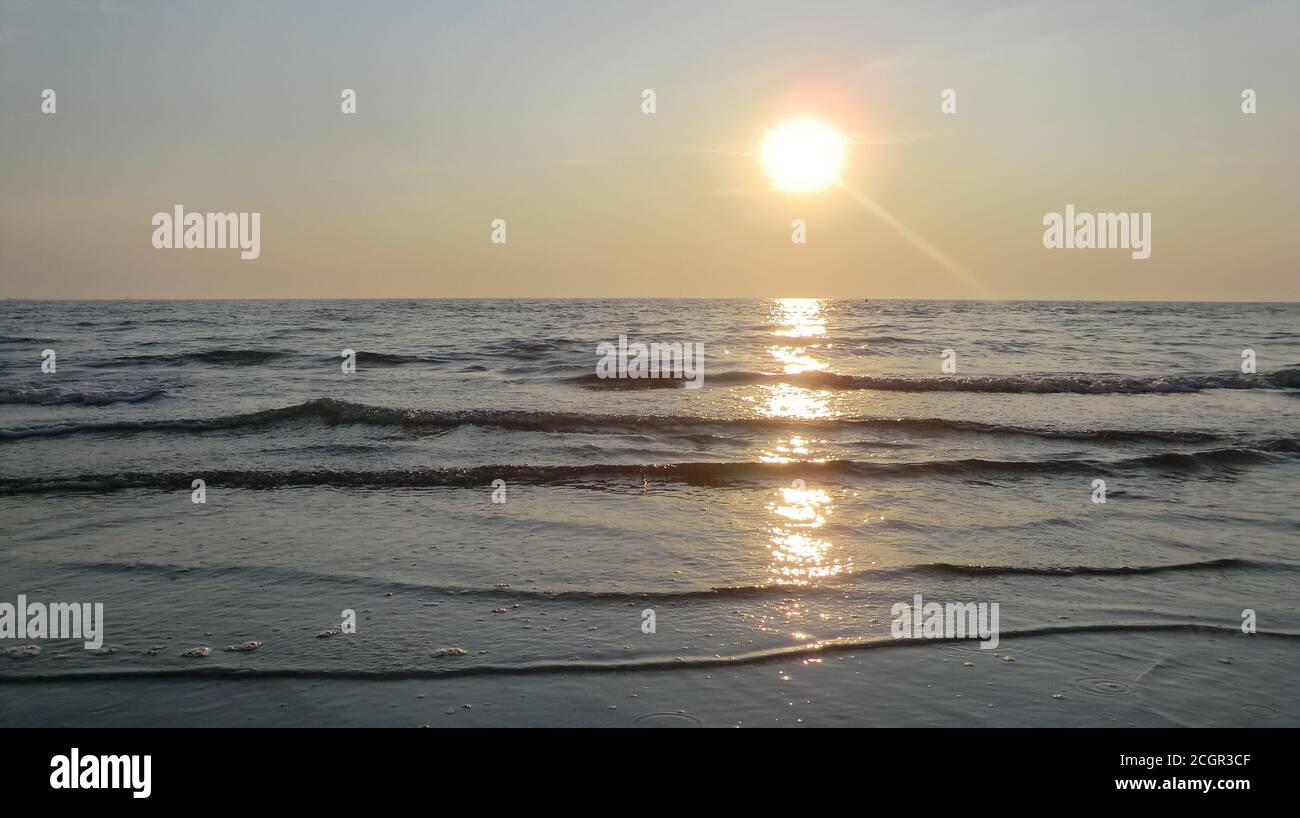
[942, 568]
[221, 357]
[502, 592]
[70, 397]
[331, 412]
[616, 665]
[391, 359]
[250, 357]
[634, 474]
[1033, 383]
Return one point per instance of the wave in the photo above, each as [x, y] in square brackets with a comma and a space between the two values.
[332, 411]
[235, 357]
[656, 663]
[392, 359]
[242, 357]
[836, 588]
[1029, 384]
[890, 339]
[942, 568]
[978, 427]
[221, 357]
[531, 350]
[53, 396]
[637, 475]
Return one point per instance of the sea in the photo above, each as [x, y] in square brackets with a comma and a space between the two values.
[438, 512]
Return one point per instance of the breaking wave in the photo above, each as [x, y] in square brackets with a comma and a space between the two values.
[332, 411]
[1029, 384]
[614, 475]
[49, 396]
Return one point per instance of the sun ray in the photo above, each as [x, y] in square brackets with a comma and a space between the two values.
[965, 276]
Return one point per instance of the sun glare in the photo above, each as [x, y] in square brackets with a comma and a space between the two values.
[803, 155]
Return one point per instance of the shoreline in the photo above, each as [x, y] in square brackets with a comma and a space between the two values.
[1171, 678]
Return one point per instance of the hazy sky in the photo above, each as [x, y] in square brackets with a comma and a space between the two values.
[531, 112]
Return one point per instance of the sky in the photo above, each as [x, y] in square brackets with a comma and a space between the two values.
[531, 112]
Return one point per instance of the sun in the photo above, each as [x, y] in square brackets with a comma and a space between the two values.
[803, 155]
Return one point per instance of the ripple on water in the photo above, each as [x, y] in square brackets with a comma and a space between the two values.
[966, 647]
[1103, 687]
[679, 718]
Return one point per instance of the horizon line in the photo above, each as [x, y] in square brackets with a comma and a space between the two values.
[664, 298]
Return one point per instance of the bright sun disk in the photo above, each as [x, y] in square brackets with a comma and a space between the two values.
[803, 155]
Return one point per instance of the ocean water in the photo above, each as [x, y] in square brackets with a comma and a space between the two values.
[826, 470]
